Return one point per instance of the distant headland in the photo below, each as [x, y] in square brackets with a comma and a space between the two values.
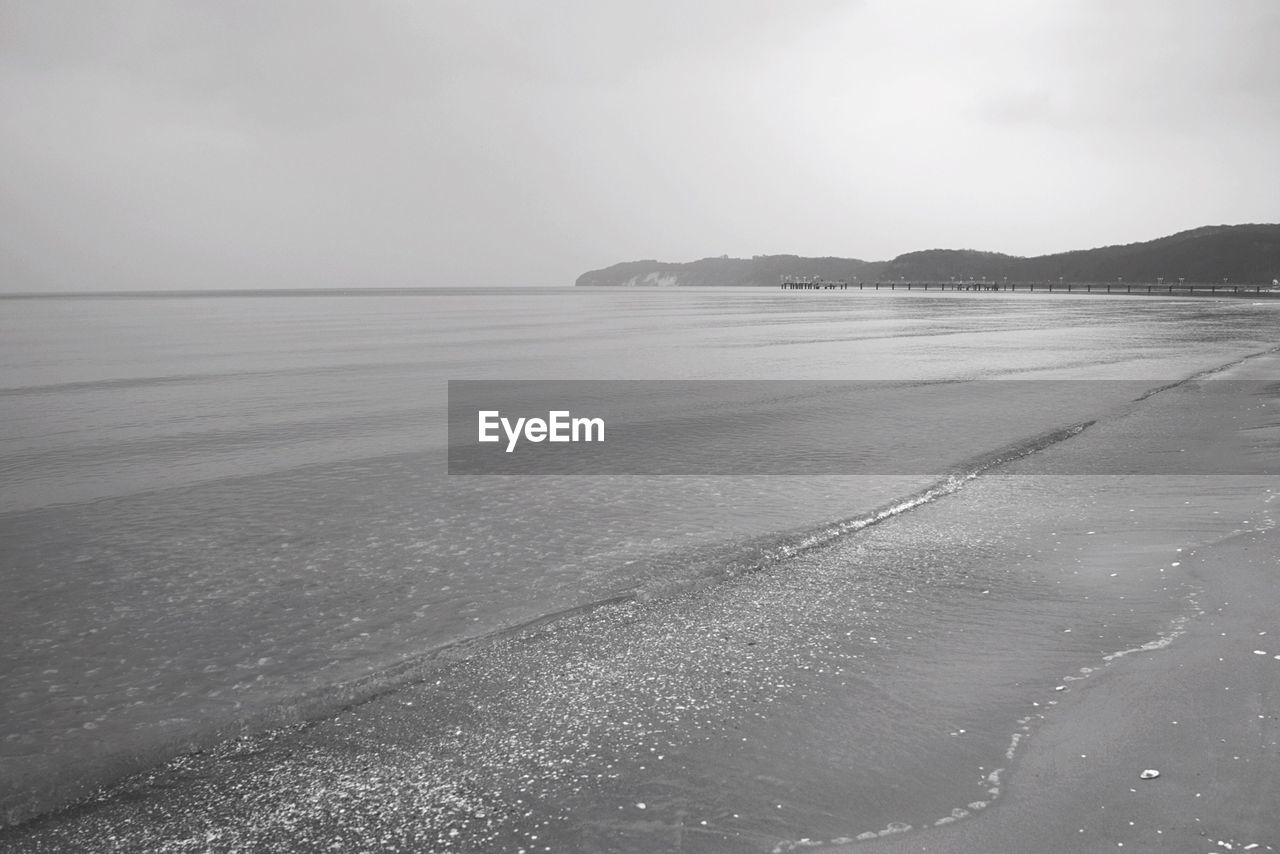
[1238, 254]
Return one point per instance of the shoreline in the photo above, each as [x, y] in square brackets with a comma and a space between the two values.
[777, 671]
[387, 750]
[1203, 711]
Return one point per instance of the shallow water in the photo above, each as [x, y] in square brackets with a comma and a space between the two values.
[226, 508]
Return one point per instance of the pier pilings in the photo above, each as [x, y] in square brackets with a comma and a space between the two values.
[815, 283]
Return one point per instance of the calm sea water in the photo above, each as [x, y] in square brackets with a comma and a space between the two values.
[233, 510]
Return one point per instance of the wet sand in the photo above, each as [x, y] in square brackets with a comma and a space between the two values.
[1204, 712]
[721, 720]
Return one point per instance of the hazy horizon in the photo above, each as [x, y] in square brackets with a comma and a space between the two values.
[181, 145]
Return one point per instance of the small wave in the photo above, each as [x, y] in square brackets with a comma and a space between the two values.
[950, 483]
[1207, 372]
[1177, 628]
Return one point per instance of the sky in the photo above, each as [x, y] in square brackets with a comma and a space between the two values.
[274, 144]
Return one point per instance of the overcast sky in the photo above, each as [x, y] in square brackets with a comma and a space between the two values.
[317, 144]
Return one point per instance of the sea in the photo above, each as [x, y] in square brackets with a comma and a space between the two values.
[247, 607]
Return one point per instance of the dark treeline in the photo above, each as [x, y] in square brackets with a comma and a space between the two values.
[1240, 254]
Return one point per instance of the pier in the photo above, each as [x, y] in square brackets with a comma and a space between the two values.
[812, 283]
[1158, 288]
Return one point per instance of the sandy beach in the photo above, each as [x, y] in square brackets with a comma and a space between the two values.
[1204, 712]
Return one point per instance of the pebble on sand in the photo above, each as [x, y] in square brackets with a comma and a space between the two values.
[1149, 774]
